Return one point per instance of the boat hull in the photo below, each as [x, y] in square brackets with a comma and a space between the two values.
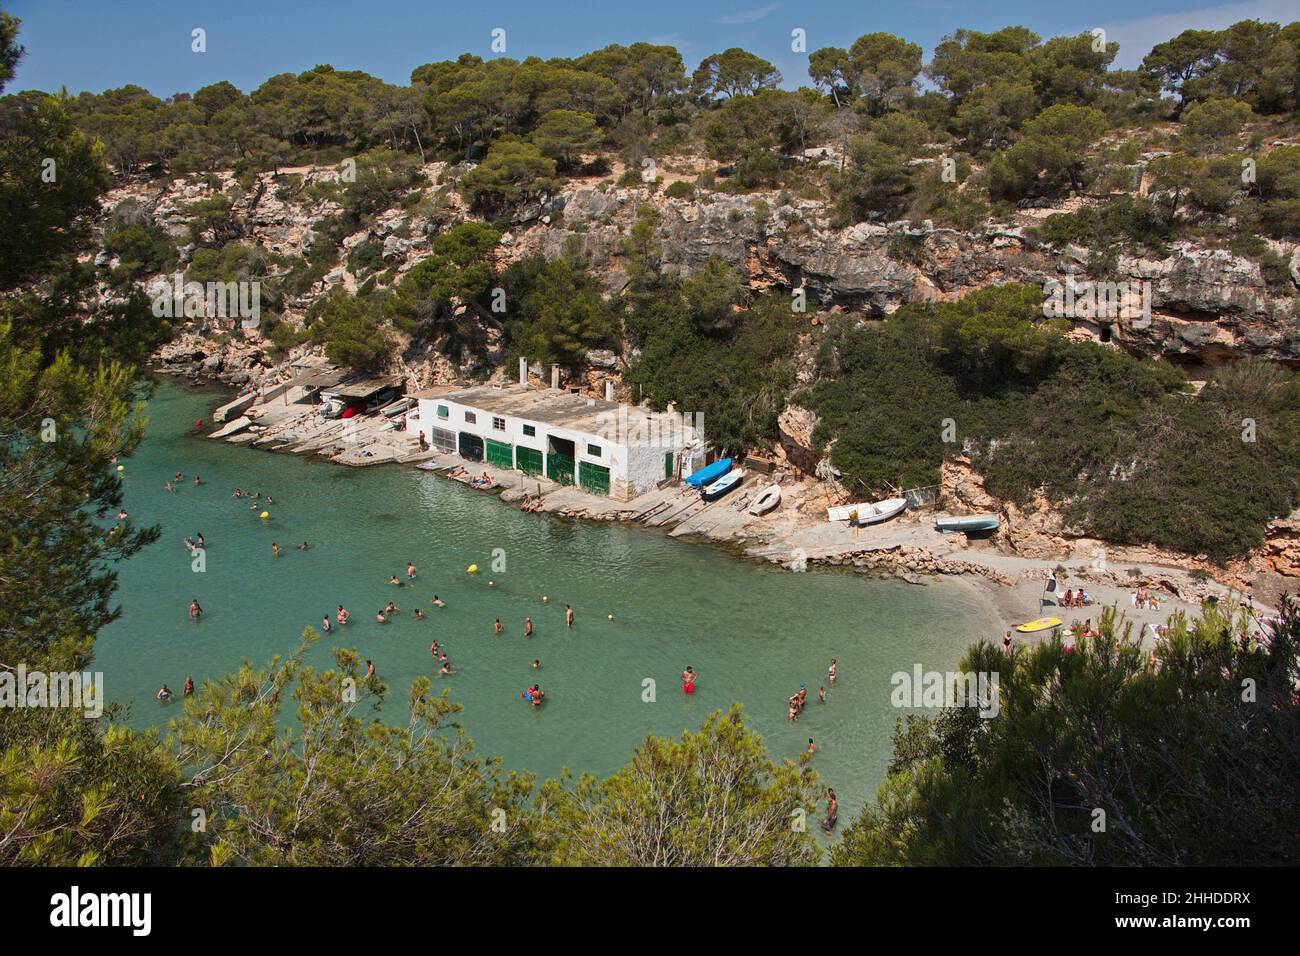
[714, 491]
[767, 499]
[868, 512]
[967, 523]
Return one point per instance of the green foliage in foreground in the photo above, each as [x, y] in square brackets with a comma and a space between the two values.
[1121, 444]
[346, 789]
[1105, 755]
[712, 798]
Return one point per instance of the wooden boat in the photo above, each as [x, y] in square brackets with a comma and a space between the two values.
[715, 490]
[767, 499]
[868, 512]
[708, 474]
[967, 523]
[1042, 624]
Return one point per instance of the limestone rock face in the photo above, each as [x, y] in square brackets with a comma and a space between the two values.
[1281, 551]
[796, 425]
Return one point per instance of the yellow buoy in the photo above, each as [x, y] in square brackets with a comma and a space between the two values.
[472, 569]
[611, 617]
[265, 515]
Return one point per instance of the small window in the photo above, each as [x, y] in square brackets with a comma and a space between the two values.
[593, 451]
[442, 411]
[498, 424]
[530, 431]
[471, 417]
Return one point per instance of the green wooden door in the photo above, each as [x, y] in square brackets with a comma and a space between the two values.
[528, 460]
[500, 454]
[559, 468]
[668, 464]
[593, 478]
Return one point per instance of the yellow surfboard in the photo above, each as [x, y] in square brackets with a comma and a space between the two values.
[1042, 624]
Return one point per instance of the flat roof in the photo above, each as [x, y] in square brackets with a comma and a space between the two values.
[366, 387]
[434, 391]
[552, 406]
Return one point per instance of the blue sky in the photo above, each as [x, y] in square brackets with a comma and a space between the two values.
[100, 44]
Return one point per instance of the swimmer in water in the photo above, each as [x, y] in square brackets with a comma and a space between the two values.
[379, 617]
[344, 615]
[832, 811]
[812, 747]
[197, 481]
[237, 494]
[164, 693]
[688, 680]
[821, 695]
[304, 546]
[830, 672]
[325, 623]
[433, 650]
[199, 536]
[187, 689]
[392, 608]
[393, 580]
[196, 611]
[437, 601]
[528, 627]
[445, 669]
[497, 626]
[568, 616]
[410, 569]
[419, 615]
[168, 487]
[275, 550]
[537, 665]
[370, 669]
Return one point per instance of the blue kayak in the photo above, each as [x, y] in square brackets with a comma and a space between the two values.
[708, 474]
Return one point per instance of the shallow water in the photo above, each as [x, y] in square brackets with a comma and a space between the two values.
[753, 632]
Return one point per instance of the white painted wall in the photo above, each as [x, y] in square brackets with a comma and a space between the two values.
[636, 468]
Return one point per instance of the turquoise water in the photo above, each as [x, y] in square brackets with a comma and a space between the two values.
[753, 632]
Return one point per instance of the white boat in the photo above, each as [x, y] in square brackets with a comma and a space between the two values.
[722, 485]
[868, 512]
[766, 500]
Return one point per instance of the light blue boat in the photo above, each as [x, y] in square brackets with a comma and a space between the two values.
[966, 523]
[708, 474]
